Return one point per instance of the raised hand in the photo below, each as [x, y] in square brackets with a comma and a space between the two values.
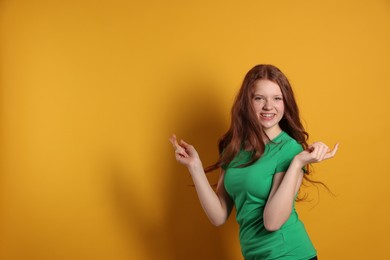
[185, 153]
[178, 149]
[315, 153]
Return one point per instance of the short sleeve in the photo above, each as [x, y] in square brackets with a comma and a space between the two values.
[286, 154]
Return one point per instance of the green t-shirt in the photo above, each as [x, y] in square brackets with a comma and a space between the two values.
[249, 188]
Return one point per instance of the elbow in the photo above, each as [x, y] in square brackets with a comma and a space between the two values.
[272, 223]
[217, 222]
[272, 226]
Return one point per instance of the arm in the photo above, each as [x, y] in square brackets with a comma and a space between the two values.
[217, 205]
[286, 185]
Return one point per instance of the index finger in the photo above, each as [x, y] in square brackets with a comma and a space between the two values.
[174, 142]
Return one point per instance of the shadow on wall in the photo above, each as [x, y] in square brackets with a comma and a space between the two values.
[200, 123]
[186, 233]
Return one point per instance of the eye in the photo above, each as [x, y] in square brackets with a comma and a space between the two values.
[258, 98]
[278, 98]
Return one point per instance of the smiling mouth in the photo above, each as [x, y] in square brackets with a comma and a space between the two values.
[267, 116]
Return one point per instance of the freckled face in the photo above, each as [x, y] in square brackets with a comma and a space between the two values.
[267, 102]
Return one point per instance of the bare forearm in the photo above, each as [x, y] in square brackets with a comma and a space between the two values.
[279, 206]
[217, 206]
[211, 203]
[280, 202]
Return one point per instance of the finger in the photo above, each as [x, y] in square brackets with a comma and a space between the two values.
[179, 150]
[313, 146]
[315, 149]
[180, 158]
[178, 147]
[335, 148]
[181, 154]
[319, 144]
[333, 152]
[318, 151]
[173, 140]
[323, 152]
[185, 145]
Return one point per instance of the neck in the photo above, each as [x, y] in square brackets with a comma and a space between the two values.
[272, 133]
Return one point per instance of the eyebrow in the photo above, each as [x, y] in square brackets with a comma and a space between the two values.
[278, 95]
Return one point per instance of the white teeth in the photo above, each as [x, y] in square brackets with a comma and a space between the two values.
[267, 115]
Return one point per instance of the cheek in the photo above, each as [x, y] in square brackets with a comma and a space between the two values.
[257, 111]
[256, 107]
[281, 108]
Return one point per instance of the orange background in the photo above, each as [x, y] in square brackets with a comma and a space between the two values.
[90, 91]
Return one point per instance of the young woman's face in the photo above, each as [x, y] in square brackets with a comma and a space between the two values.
[268, 104]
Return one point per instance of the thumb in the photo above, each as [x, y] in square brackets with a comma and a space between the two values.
[182, 143]
[186, 146]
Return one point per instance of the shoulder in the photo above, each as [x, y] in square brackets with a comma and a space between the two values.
[285, 140]
[287, 148]
[288, 145]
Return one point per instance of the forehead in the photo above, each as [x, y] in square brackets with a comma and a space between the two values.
[265, 86]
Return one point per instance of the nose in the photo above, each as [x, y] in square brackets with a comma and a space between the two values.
[267, 105]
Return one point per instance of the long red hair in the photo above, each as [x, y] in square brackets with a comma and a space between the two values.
[245, 129]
